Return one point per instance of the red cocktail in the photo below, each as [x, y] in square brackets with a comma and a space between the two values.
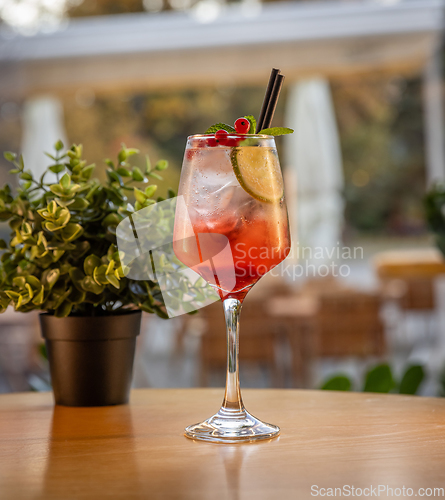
[231, 227]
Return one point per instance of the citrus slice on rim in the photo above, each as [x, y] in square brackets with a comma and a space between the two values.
[258, 171]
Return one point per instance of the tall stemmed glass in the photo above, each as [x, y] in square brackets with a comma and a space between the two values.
[234, 189]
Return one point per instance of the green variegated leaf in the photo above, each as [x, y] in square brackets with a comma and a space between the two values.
[89, 285]
[39, 297]
[64, 309]
[77, 296]
[124, 172]
[161, 165]
[71, 231]
[90, 263]
[99, 275]
[114, 176]
[63, 218]
[150, 190]
[155, 176]
[57, 254]
[9, 156]
[57, 190]
[56, 169]
[19, 301]
[113, 280]
[87, 171]
[137, 174]
[26, 176]
[65, 181]
[79, 204]
[131, 151]
[19, 282]
[33, 281]
[29, 290]
[112, 219]
[139, 195]
[77, 277]
[50, 277]
[51, 226]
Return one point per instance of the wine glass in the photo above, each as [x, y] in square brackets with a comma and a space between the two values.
[232, 198]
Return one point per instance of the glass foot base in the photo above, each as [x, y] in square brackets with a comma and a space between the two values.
[231, 427]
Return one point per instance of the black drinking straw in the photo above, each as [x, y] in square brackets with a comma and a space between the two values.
[273, 75]
[275, 94]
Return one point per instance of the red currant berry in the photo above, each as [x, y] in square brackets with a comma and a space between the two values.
[242, 126]
[211, 141]
[233, 142]
[221, 136]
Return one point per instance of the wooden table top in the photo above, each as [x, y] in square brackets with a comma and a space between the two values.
[423, 263]
[138, 451]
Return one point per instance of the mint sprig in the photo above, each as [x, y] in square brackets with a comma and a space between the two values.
[220, 126]
[275, 131]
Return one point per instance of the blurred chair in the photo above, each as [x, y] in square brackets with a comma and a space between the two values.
[407, 279]
[412, 272]
[348, 323]
[295, 319]
[327, 319]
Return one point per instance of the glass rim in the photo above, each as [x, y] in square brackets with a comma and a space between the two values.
[233, 134]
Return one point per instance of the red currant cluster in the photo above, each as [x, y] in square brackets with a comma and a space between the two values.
[242, 126]
[222, 138]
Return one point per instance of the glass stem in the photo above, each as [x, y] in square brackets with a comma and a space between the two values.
[232, 397]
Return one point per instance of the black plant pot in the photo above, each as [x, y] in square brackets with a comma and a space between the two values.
[91, 358]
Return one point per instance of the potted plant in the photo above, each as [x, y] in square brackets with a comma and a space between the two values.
[62, 259]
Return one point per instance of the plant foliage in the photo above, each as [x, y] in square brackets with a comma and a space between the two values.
[62, 255]
[380, 379]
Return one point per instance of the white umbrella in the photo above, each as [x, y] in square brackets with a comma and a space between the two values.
[42, 127]
[313, 152]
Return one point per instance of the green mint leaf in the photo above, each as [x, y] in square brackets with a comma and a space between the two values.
[275, 131]
[220, 126]
[252, 122]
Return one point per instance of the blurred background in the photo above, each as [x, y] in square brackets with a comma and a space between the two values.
[360, 304]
